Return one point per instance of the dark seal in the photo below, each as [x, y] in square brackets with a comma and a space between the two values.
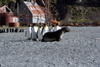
[55, 36]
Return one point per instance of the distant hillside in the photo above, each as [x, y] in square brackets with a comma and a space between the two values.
[76, 10]
[86, 10]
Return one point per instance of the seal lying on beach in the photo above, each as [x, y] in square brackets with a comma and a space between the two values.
[55, 36]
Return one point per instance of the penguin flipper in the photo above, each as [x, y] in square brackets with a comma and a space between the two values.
[42, 31]
[37, 34]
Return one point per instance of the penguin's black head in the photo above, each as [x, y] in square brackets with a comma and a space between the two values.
[39, 26]
[29, 25]
[53, 25]
[34, 24]
[44, 24]
[57, 24]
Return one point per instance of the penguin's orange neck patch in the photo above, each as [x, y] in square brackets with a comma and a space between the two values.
[52, 27]
[40, 28]
[57, 26]
[46, 26]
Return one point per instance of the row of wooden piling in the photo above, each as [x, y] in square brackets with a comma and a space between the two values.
[11, 30]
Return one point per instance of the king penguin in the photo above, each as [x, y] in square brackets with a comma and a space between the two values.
[57, 27]
[0, 30]
[52, 28]
[39, 33]
[45, 29]
[28, 32]
[34, 32]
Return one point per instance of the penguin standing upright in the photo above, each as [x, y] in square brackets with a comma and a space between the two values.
[13, 29]
[10, 30]
[57, 27]
[28, 32]
[45, 29]
[34, 32]
[39, 33]
[16, 29]
[7, 30]
[3, 30]
[0, 30]
[52, 28]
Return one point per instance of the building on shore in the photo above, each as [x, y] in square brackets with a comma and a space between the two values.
[29, 12]
[6, 16]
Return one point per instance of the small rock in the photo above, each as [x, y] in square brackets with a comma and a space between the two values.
[27, 61]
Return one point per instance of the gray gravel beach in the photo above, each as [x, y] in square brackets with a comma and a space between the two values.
[78, 48]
